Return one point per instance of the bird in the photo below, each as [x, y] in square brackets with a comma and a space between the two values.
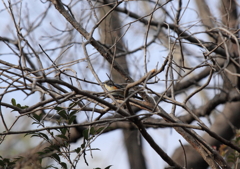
[117, 90]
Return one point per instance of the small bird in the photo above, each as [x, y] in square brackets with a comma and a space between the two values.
[117, 90]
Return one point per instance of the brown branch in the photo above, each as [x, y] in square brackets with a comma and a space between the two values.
[98, 46]
[173, 27]
[206, 109]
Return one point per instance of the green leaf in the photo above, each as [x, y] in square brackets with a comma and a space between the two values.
[25, 107]
[2, 163]
[40, 153]
[73, 113]
[64, 165]
[35, 135]
[49, 149]
[56, 157]
[85, 134]
[99, 130]
[92, 130]
[83, 144]
[71, 105]
[72, 118]
[13, 102]
[58, 108]
[63, 114]
[63, 130]
[108, 167]
[44, 136]
[37, 117]
[6, 160]
[77, 150]
[35, 123]
[29, 134]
